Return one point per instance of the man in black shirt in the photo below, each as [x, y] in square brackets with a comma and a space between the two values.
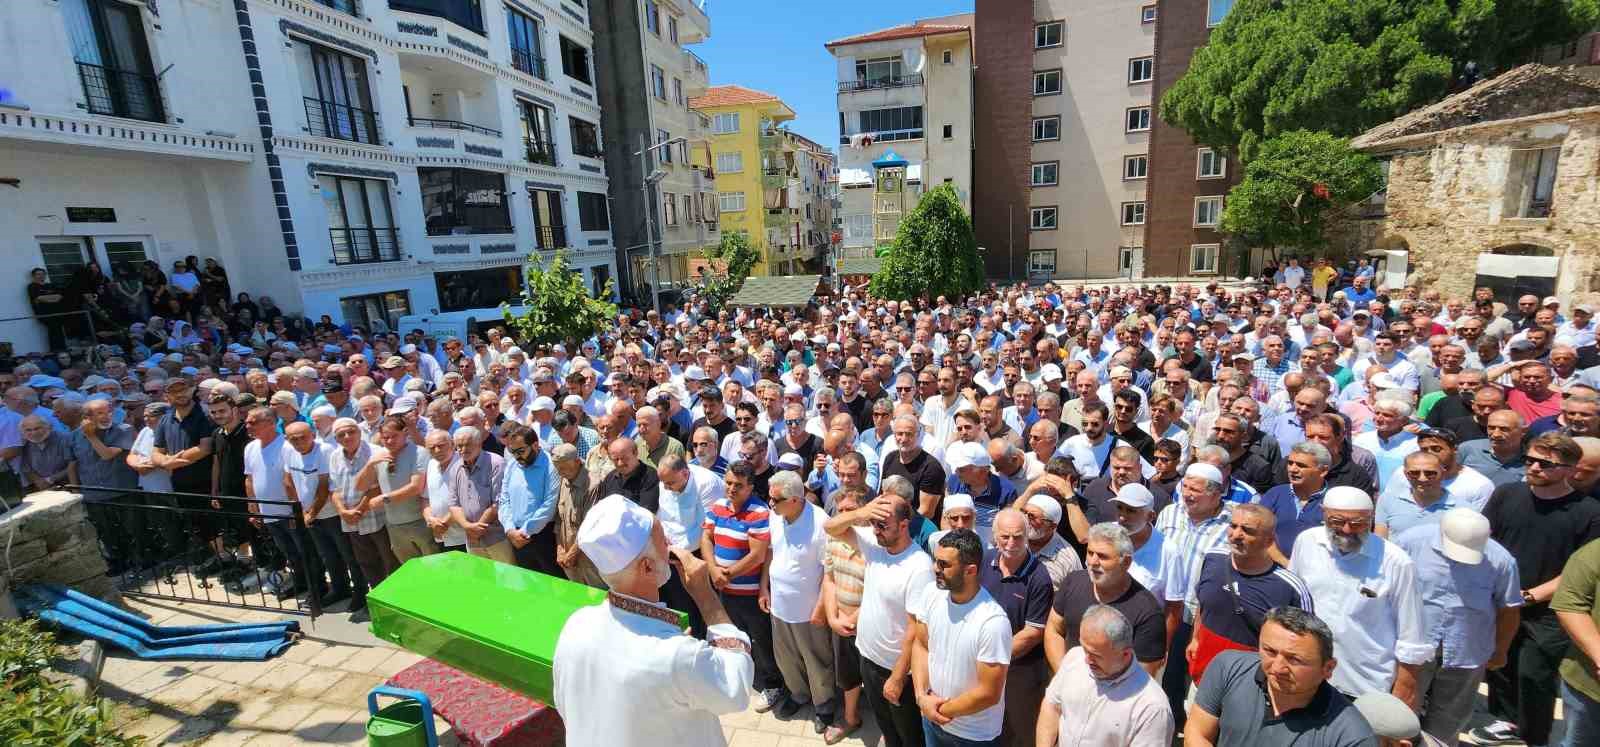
[916, 465]
[1192, 361]
[183, 446]
[715, 416]
[629, 477]
[227, 469]
[1017, 579]
[1541, 521]
[1485, 402]
[1105, 580]
[1124, 423]
[1124, 469]
[1459, 404]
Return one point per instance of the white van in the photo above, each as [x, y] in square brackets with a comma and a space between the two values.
[455, 323]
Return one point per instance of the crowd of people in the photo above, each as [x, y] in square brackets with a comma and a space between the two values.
[1285, 514]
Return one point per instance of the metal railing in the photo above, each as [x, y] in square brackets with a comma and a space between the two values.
[452, 124]
[359, 246]
[540, 151]
[528, 62]
[122, 93]
[587, 148]
[889, 136]
[872, 84]
[550, 237]
[341, 121]
[467, 230]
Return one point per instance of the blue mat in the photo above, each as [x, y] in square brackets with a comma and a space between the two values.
[93, 618]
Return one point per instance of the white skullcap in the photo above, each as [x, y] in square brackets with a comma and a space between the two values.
[572, 400]
[543, 403]
[324, 411]
[964, 454]
[956, 502]
[344, 423]
[614, 533]
[1051, 509]
[1346, 498]
[1201, 469]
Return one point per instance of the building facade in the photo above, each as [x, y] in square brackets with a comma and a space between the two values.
[649, 77]
[366, 161]
[908, 89]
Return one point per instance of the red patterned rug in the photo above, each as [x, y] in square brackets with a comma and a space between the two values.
[481, 713]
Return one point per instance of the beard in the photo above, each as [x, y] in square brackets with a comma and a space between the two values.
[1345, 543]
[1038, 535]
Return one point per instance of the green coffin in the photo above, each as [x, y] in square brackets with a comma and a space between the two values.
[494, 621]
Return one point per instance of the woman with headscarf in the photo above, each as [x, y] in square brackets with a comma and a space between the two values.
[183, 335]
[127, 294]
[214, 281]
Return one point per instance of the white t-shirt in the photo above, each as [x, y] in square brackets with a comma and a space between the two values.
[892, 588]
[156, 480]
[796, 570]
[439, 503]
[959, 637]
[306, 472]
[264, 467]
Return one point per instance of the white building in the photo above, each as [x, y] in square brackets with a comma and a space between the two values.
[363, 160]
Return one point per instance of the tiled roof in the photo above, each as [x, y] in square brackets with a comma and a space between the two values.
[730, 96]
[906, 31]
[789, 290]
[861, 266]
[1529, 90]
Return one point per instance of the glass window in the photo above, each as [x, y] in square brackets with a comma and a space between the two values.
[1135, 167]
[730, 163]
[575, 61]
[1216, 10]
[1046, 128]
[1147, 14]
[899, 123]
[1138, 119]
[1203, 258]
[1046, 82]
[1042, 262]
[1210, 165]
[949, 57]
[585, 138]
[467, 14]
[723, 124]
[1048, 34]
[1133, 213]
[665, 154]
[672, 29]
[113, 59]
[881, 71]
[593, 213]
[1044, 174]
[478, 289]
[360, 222]
[341, 106]
[537, 138]
[1141, 69]
[368, 309]
[549, 226]
[523, 32]
[730, 202]
[463, 201]
[658, 82]
[1042, 218]
[677, 90]
[652, 17]
[669, 209]
[1207, 211]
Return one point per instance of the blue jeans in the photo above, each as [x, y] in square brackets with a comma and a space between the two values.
[1582, 716]
[933, 736]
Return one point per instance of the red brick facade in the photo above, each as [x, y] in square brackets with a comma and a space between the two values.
[1003, 133]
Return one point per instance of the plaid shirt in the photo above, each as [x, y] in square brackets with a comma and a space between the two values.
[1270, 375]
[342, 471]
[1183, 550]
[588, 438]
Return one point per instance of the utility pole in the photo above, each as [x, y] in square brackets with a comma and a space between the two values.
[648, 178]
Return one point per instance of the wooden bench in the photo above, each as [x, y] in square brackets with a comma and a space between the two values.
[483, 714]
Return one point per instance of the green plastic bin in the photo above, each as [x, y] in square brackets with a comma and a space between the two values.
[407, 722]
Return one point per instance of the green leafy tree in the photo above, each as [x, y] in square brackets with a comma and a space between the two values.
[934, 252]
[557, 308]
[731, 262]
[1275, 66]
[1291, 186]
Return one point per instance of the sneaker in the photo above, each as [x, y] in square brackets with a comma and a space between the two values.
[786, 708]
[1499, 732]
[770, 699]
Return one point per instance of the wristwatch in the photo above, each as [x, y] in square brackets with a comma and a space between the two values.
[1527, 597]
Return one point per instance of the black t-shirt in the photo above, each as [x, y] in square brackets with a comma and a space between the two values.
[1447, 409]
[1540, 533]
[1199, 369]
[1234, 605]
[923, 471]
[1096, 499]
[1076, 596]
[229, 448]
[1138, 439]
[174, 435]
[1466, 429]
[723, 428]
[807, 450]
[642, 487]
[860, 411]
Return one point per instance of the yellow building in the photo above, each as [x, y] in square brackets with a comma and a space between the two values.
[758, 175]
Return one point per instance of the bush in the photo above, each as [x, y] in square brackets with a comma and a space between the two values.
[35, 712]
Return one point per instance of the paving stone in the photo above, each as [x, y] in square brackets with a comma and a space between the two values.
[186, 690]
[193, 731]
[752, 738]
[283, 675]
[334, 655]
[273, 715]
[366, 661]
[303, 651]
[396, 663]
[152, 727]
[773, 725]
[351, 690]
[157, 678]
[230, 737]
[791, 741]
[325, 722]
[314, 683]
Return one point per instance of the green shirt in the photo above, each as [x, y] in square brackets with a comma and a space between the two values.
[1580, 583]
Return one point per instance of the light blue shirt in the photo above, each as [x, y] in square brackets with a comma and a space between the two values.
[1460, 602]
[1390, 452]
[528, 495]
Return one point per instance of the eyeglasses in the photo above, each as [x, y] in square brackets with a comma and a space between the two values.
[1333, 523]
[1546, 463]
[1416, 473]
[704, 443]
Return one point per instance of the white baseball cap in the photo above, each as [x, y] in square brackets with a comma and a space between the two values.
[1134, 495]
[1463, 533]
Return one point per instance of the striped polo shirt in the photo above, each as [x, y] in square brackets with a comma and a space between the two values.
[731, 532]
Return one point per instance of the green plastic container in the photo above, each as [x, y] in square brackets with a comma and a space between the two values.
[405, 723]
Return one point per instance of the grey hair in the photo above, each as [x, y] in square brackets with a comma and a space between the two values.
[1315, 451]
[1110, 622]
[826, 393]
[787, 484]
[900, 486]
[1394, 403]
[912, 419]
[1113, 533]
[1212, 451]
[468, 431]
[756, 439]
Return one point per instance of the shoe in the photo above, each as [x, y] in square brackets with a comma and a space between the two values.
[289, 592]
[786, 708]
[820, 723]
[836, 734]
[770, 699]
[360, 616]
[236, 571]
[1498, 732]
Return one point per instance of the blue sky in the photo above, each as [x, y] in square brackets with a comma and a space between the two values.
[778, 49]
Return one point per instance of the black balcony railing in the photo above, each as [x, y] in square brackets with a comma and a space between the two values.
[359, 246]
[122, 93]
[452, 124]
[587, 148]
[870, 84]
[353, 7]
[540, 151]
[341, 121]
[550, 237]
[528, 62]
[440, 229]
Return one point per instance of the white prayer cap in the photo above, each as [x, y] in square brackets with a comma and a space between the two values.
[793, 390]
[956, 502]
[408, 349]
[324, 411]
[614, 533]
[1134, 495]
[1384, 381]
[572, 400]
[1051, 509]
[1049, 372]
[1388, 716]
[1346, 498]
[1203, 470]
[1463, 533]
[543, 403]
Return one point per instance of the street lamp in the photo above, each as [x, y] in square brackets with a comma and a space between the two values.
[649, 222]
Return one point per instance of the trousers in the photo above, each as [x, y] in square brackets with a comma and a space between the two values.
[1524, 691]
[411, 540]
[804, 653]
[747, 615]
[1175, 680]
[373, 554]
[339, 559]
[900, 723]
[1447, 695]
[1025, 685]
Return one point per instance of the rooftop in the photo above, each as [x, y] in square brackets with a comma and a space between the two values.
[929, 27]
[732, 96]
[1527, 91]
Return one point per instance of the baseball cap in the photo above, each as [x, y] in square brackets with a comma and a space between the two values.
[403, 406]
[1550, 301]
[1463, 533]
[1134, 495]
[393, 361]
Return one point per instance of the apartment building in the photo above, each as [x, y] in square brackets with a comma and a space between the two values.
[650, 76]
[1062, 153]
[906, 89]
[365, 160]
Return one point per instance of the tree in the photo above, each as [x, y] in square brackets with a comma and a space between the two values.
[556, 305]
[731, 262]
[1290, 186]
[1276, 66]
[934, 252]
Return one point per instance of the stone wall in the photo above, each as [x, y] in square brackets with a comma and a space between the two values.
[51, 540]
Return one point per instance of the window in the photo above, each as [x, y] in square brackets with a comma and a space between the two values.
[949, 57]
[730, 163]
[652, 17]
[1138, 119]
[730, 202]
[593, 214]
[658, 82]
[338, 103]
[1133, 213]
[949, 131]
[1044, 174]
[463, 201]
[672, 29]
[1216, 10]
[384, 307]
[1141, 69]
[537, 135]
[879, 72]
[1207, 211]
[1042, 262]
[1203, 258]
[1046, 82]
[524, 34]
[549, 227]
[677, 90]
[900, 123]
[478, 289]
[1042, 218]
[858, 229]
[723, 124]
[669, 209]
[1147, 14]
[1047, 35]
[1532, 181]
[575, 61]
[690, 209]
[665, 154]
[585, 138]
[467, 14]
[113, 57]
[360, 221]
[1135, 167]
[1210, 165]
[1046, 128]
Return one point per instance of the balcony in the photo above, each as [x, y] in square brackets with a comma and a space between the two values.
[547, 238]
[587, 149]
[360, 246]
[530, 63]
[889, 136]
[121, 93]
[341, 121]
[539, 151]
[453, 124]
[774, 179]
[874, 84]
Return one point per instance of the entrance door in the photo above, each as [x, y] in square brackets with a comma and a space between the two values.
[1512, 275]
[117, 252]
[62, 256]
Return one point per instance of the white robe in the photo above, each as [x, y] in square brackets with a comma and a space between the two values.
[627, 680]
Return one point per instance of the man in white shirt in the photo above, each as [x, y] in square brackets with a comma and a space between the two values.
[1098, 697]
[1294, 274]
[263, 478]
[791, 591]
[306, 478]
[1379, 638]
[960, 648]
[687, 492]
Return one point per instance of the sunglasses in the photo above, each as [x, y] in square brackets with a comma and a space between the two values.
[1546, 463]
